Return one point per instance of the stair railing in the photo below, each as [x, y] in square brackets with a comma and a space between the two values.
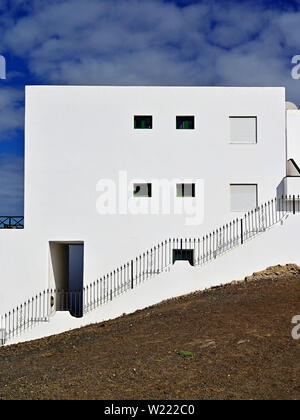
[152, 262]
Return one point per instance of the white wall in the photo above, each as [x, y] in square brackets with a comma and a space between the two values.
[74, 136]
[292, 187]
[293, 135]
[279, 245]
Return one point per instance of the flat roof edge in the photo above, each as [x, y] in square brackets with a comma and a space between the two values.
[156, 86]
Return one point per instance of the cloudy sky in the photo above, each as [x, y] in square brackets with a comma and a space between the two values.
[136, 42]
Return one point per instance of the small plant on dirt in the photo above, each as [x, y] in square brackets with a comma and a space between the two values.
[188, 354]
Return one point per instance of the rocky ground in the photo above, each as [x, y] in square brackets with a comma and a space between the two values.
[231, 342]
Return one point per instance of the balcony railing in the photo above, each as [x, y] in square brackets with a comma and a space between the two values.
[11, 222]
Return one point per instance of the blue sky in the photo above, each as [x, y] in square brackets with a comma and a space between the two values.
[136, 42]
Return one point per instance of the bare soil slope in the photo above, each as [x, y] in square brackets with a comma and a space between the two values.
[238, 336]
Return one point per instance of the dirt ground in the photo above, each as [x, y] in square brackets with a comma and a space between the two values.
[238, 336]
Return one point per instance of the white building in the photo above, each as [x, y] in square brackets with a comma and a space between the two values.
[114, 172]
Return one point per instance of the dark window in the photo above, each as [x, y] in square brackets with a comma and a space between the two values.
[143, 121]
[183, 255]
[142, 190]
[185, 190]
[185, 123]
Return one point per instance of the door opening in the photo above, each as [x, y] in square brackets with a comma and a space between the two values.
[66, 272]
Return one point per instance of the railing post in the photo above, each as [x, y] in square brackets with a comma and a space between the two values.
[132, 274]
[294, 205]
[242, 232]
[2, 336]
[181, 248]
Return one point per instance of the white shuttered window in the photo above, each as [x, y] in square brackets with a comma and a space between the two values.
[243, 130]
[243, 197]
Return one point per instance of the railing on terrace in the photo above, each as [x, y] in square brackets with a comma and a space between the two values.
[11, 222]
[152, 262]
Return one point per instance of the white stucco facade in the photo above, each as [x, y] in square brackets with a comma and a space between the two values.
[76, 137]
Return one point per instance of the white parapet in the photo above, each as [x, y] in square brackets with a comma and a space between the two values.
[292, 186]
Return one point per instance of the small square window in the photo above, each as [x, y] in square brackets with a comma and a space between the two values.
[185, 190]
[243, 197]
[243, 130]
[142, 190]
[185, 123]
[183, 255]
[143, 121]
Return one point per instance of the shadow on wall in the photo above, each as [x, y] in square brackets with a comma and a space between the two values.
[280, 190]
[59, 257]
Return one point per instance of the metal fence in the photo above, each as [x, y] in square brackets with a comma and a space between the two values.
[243, 229]
[11, 222]
[31, 313]
[198, 251]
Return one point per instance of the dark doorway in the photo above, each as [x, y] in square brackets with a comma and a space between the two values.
[75, 283]
[67, 272]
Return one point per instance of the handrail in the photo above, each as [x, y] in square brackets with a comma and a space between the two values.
[11, 222]
[152, 262]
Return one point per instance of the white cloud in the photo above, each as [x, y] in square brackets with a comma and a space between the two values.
[11, 111]
[150, 42]
[141, 42]
[153, 42]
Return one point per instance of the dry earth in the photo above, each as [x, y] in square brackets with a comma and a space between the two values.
[239, 337]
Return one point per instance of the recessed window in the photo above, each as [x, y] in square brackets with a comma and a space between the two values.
[143, 121]
[183, 255]
[243, 197]
[142, 190]
[185, 190]
[243, 130]
[185, 123]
